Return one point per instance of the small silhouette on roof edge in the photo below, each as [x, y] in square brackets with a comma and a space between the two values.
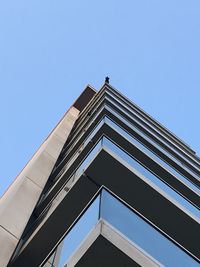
[107, 79]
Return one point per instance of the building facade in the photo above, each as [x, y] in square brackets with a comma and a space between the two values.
[110, 186]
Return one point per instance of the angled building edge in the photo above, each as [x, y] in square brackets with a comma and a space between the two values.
[110, 186]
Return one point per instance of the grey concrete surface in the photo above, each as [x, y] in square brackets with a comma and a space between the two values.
[117, 239]
[17, 204]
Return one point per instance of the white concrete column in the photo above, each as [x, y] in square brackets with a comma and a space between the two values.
[17, 204]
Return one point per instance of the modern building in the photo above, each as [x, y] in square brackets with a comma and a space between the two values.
[110, 186]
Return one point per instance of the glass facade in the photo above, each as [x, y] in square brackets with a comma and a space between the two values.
[139, 145]
[152, 127]
[148, 152]
[162, 145]
[79, 232]
[141, 169]
[125, 157]
[131, 225]
[114, 145]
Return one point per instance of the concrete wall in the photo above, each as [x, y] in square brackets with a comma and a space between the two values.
[17, 204]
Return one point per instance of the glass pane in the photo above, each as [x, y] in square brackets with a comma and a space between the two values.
[150, 176]
[88, 159]
[166, 152]
[151, 153]
[179, 150]
[83, 145]
[142, 233]
[79, 231]
[85, 163]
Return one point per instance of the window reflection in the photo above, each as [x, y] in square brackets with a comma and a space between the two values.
[138, 144]
[124, 156]
[149, 152]
[80, 230]
[150, 176]
[142, 233]
[127, 222]
[177, 150]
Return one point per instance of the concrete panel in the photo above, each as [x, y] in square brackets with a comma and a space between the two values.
[7, 245]
[47, 264]
[63, 129]
[61, 219]
[18, 203]
[55, 257]
[118, 240]
[40, 169]
[58, 253]
[17, 207]
[128, 247]
[55, 146]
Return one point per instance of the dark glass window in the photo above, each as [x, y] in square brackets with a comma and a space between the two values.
[127, 222]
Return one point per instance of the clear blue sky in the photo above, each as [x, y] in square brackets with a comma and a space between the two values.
[50, 50]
